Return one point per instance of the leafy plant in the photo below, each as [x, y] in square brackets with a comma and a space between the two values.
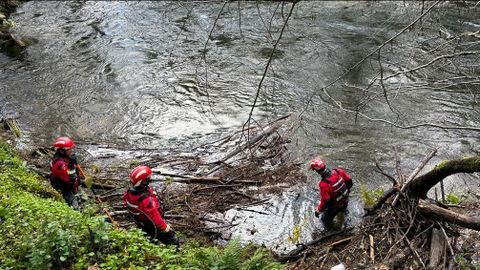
[369, 197]
[39, 231]
[297, 230]
[6, 25]
[453, 199]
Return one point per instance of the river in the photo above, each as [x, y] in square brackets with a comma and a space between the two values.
[125, 73]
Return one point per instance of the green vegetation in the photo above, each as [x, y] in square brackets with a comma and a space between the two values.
[369, 197]
[39, 231]
[453, 199]
[297, 231]
[6, 25]
[464, 263]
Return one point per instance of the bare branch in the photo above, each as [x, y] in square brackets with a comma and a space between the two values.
[267, 66]
[433, 61]
[337, 103]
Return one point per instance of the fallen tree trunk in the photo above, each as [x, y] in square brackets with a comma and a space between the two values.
[420, 186]
[448, 215]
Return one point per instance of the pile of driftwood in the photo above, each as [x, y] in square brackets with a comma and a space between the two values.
[232, 172]
[403, 230]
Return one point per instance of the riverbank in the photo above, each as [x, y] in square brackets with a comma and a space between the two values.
[381, 241]
[10, 43]
[39, 231]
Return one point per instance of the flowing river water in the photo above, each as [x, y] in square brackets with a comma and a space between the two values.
[125, 73]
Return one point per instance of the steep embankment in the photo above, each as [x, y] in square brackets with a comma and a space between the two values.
[39, 231]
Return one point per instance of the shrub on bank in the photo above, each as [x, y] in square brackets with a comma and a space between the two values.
[39, 231]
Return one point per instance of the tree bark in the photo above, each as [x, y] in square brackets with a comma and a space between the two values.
[420, 186]
[449, 216]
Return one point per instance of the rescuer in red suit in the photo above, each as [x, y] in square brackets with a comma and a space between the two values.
[334, 187]
[64, 175]
[142, 202]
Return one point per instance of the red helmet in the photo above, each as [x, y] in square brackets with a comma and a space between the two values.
[317, 165]
[63, 143]
[140, 174]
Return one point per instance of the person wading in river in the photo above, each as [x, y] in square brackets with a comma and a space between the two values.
[142, 202]
[64, 175]
[334, 187]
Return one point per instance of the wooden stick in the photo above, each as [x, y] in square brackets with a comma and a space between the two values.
[295, 254]
[448, 242]
[413, 174]
[415, 252]
[215, 186]
[389, 193]
[265, 133]
[340, 241]
[400, 176]
[442, 188]
[380, 170]
[372, 250]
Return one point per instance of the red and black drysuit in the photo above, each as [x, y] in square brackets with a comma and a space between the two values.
[143, 203]
[64, 176]
[334, 190]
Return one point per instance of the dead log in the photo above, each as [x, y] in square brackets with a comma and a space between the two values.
[420, 186]
[437, 248]
[449, 216]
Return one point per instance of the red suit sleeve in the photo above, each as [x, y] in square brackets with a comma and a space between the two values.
[150, 207]
[60, 171]
[324, 196]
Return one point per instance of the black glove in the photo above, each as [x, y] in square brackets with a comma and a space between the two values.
[317, 214]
